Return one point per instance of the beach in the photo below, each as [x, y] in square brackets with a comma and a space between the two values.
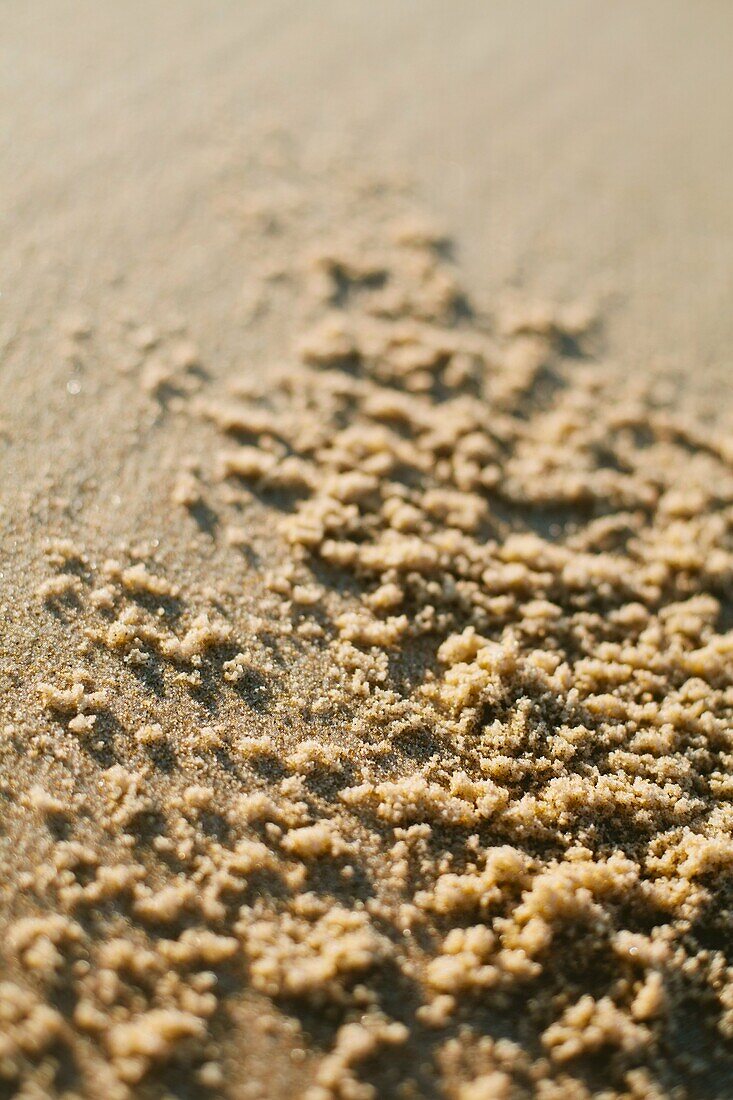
[367, 551]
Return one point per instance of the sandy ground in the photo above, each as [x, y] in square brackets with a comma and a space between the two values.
[170, 171]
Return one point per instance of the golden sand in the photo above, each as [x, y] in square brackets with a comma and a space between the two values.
[461, 825]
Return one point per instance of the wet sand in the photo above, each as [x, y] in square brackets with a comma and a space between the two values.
[367, 553]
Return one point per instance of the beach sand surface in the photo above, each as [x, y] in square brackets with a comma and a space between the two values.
[367, 512]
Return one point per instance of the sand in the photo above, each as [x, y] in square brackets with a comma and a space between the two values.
[366, 648]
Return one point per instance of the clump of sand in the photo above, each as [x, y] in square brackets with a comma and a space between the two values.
[498, 861]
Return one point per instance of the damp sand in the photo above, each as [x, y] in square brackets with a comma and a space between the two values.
[365, 661]
[394, 758]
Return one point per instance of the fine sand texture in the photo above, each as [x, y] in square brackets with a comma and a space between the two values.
[366, 661]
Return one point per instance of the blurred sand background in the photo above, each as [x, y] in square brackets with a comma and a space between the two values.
[569, 146]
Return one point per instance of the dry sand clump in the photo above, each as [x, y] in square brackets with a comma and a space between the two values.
[473, 838]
